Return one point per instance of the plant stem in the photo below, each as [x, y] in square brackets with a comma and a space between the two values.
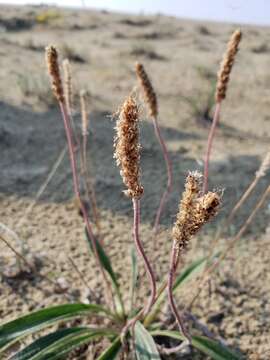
[148, 268]
[209, 146]
[169, 174]
[136, 227]
[31, 267]
[173, 266]
[242, 200]
[88, 185]
[77, 191]
[230, 245]
[231, 215]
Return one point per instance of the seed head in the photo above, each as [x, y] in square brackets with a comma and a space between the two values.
[68, 91]
[265, 165]
[54, 72]
[194, 211]
[226, 65]
[148, 90]
[127, 147]
[84, 113]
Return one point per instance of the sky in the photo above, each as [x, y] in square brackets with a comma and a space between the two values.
[235, 11]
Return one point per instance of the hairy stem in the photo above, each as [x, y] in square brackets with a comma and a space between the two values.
[209, 146]
[169, 174]
[173, 266]
[139, 246]
[88, 185]
[71, 148]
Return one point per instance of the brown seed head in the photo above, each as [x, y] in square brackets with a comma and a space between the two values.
[226, 65]
[127, 147]
[68, 91]
[54, 72]
[148, 90]
[194, 211]
[84, 112]
[265, 166]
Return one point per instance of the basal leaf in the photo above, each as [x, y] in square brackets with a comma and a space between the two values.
[106, 263]
[38, 320]
[208, 346]
[145, 346]
[59, 343]
[112, 351]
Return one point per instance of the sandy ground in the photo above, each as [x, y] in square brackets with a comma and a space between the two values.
[181, 57]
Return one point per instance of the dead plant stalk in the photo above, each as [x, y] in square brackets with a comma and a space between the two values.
[231, 244]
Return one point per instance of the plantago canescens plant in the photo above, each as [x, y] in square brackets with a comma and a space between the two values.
[137, 332]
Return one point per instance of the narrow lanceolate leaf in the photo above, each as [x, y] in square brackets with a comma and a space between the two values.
[112, 351]
[193, 269]
[208, 346]
[106, 263]
[25, 325]
[145, 347]
[59, 343]
[134, 276]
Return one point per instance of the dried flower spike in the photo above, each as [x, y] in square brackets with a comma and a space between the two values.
[127, 147]
[68, 85]
[194, 211]
[265, 166]
[85, 118]
[226, 65]
[148, 90]
[54, 71]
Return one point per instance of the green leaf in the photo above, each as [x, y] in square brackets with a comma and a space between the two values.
[112, 351]
[25, 325]
[59, 343]
[181, 279]
[145, 346]
[208, 346]
[106, 263]
[189, 272]
[134, 277]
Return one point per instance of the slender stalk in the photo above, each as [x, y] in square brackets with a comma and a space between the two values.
[18, 255]
[173, 266]
[77, 191]
[43, 187]
[242, 200]
[148, 268]
[30, 266]
[169, 174]
[227, 222]
[88, 185]
[209, 145]
[230, 245]
[75, 267]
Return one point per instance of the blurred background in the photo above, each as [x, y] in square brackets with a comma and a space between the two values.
[243, 11]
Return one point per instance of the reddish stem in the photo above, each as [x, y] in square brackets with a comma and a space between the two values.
[209, 146]
[148, 268]
[73, 163]
[173, 266]
[169, 174]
